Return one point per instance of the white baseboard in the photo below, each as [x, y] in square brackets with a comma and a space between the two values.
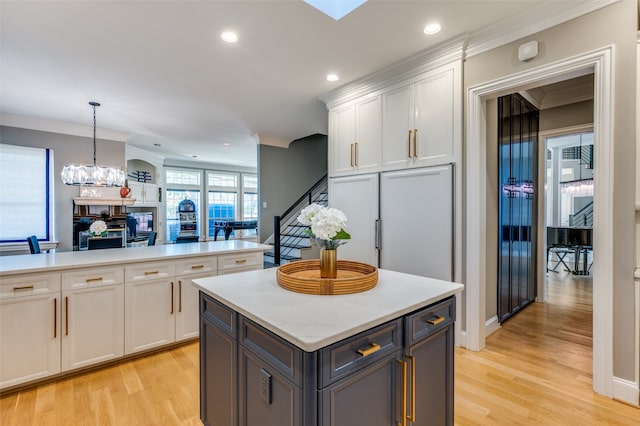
[491, 326]
[461, 339]
[626, 391]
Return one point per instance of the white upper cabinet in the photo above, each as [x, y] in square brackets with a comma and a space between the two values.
[355, 137]
[419, 121]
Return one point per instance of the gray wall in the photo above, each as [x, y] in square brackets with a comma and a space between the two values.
[66, 150]
[285, 174]
[563, 41]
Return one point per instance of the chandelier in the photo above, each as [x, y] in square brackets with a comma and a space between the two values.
[92, 175]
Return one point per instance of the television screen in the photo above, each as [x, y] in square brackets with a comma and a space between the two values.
[139, 224]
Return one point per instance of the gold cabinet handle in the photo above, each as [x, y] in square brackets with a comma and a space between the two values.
[66, 316]
[26, 287]
[241, 260]
[171, 312]
[415, 149]
[197, 267]
[179, 295]
[351, 155]
[374, 347]
[151, 272]
[409, 144]
[412, 417]
[356, 154]
[403, 411]
[55, 318]
[436, 321]
[90, 280]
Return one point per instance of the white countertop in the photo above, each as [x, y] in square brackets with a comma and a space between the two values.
[48, 262]
[312, 322]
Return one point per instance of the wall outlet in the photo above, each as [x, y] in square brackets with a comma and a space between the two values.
[265, 386]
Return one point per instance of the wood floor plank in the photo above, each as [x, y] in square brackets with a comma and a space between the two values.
[535, 370]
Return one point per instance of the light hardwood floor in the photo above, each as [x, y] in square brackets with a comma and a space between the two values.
[536, 370]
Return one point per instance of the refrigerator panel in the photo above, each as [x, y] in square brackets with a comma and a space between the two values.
[416, 209]
[357, 197]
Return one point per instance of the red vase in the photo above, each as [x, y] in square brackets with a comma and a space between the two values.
[125, 191]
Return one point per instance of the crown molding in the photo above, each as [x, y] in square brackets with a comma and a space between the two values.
[42, 125]
[527, 23]
[427, 60]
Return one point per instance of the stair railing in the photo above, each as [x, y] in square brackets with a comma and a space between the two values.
[290, 216]
[583, 217]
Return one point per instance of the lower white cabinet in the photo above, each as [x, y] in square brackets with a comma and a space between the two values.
[187, 315]
[29, 328]
[92, 325]
[149, 313]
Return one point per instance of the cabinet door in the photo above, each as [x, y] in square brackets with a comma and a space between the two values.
[342, 134]
[368, 397]
[357, 197]
[433, 379]
[265, 396]
[397, 127]
[434, 105]
[92, 325]
[137, 191]
[368, 135]
[29, 338]
[151, 194]
[218, 378]
[187, 315]
[149, 314]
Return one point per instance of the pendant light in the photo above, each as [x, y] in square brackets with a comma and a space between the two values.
[92, 175]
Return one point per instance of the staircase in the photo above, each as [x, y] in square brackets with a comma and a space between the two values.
[289, 239]
[583, 217]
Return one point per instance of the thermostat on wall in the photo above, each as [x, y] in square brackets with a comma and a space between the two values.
[528, 50]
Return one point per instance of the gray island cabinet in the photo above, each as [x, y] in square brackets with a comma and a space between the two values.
[270, 357]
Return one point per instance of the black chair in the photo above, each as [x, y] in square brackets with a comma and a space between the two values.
[104, 243]
[34, 246]
[152, 238]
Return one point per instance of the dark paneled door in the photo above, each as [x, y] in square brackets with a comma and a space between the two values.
[518, 145]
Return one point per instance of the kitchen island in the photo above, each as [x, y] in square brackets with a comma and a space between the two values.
[61, 312]
[270, 356]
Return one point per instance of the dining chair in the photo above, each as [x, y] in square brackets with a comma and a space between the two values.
[34, 246]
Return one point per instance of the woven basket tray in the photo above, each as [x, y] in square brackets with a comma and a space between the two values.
[304, 277]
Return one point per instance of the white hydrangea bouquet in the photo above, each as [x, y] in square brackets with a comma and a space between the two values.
[326, 225]
[98, 228]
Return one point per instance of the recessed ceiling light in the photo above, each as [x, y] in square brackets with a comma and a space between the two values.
[333, 77]
[156, 144]
[226, 144]
[229, 36]
[432, 29]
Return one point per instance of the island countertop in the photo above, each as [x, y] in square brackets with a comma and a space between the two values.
[48, 262]
[312, 322]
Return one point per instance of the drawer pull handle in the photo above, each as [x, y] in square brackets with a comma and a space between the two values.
[89, 280]
[436, 321]
[197, 267]
[151, 272]
[26, 287]
[372, 349]
[241, 260]
[412, 360]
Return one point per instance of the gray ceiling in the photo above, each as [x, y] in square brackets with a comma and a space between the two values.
[164, 76]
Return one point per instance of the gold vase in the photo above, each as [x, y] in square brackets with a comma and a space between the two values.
[328, 263]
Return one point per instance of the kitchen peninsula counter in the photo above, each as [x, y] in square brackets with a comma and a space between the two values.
[273, 356]
[49, 262]
[62, 312]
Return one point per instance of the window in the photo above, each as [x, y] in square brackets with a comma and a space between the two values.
[25, 188]
[225, 196]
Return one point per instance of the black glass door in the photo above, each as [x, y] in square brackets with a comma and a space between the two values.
[518, 142]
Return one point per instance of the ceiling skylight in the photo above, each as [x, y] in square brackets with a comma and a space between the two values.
[336, 8]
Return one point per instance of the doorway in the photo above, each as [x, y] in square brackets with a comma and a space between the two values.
[599, 63]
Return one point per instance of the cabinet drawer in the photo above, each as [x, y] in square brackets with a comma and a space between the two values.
[92, 277]
[244, 261]
[218, 314]
[282, 355]
[149, 271]
[429, 320]
[196, 265]
[29, 285]
[349, 355]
